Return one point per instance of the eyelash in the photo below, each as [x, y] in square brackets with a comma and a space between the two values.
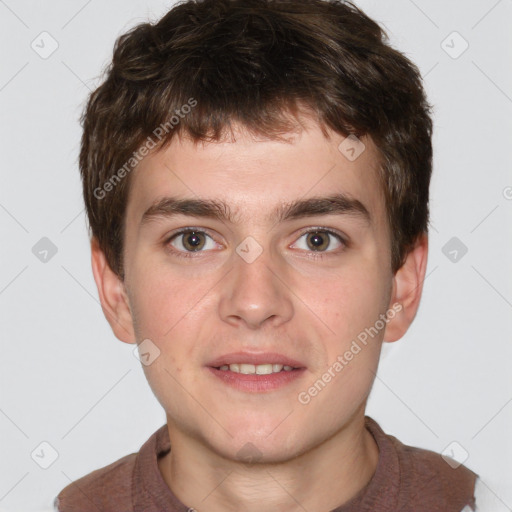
[314, 255]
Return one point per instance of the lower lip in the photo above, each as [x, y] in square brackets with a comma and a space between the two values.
[257, 383]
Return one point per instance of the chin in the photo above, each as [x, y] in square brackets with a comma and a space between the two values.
[255, 445]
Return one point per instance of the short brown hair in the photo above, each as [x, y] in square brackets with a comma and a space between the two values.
[256, 62]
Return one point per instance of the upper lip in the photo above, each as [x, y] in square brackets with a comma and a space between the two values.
[255, 359]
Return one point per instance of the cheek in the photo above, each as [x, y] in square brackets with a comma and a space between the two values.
[169, 312]
[173, 311]
[163, 300]
[348, 301]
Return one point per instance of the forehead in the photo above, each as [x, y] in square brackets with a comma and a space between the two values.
[255, 176]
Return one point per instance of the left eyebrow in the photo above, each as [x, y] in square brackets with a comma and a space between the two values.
[337, 204]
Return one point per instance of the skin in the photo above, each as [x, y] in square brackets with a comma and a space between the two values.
[315, 456]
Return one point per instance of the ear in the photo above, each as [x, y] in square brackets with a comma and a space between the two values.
[407, 289]
[113, 297]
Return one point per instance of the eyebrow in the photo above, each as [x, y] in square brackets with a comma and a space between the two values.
[337, 204]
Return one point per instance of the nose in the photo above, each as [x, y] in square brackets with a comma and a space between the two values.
[255, 293]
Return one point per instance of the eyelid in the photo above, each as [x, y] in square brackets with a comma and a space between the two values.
[185, 230]
[334, 232]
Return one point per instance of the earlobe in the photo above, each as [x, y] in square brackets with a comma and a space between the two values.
[407, 290]
[112, 294]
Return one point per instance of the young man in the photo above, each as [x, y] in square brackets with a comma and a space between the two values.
[256, 177]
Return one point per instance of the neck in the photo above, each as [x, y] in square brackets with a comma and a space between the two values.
[322, 478]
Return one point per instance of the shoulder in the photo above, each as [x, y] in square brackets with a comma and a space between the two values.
[107, 488]
[434, 463]
[421, 474]
[433, 474]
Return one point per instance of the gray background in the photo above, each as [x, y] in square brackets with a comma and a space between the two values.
[67, 381]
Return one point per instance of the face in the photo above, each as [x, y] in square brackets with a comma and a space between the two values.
[261, 283]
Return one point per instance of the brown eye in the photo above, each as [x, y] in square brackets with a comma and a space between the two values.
[190, 241]
[318, 240]
[193, 241]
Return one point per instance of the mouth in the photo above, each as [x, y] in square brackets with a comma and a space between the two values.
[259, 369]
[256, 372]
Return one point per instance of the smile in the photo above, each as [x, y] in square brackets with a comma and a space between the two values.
[259, 369]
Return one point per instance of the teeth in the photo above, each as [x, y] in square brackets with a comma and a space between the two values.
[247, 368]
[264, 369]
[260, 369]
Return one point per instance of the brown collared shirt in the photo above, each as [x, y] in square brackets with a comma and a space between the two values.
[406, 479]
